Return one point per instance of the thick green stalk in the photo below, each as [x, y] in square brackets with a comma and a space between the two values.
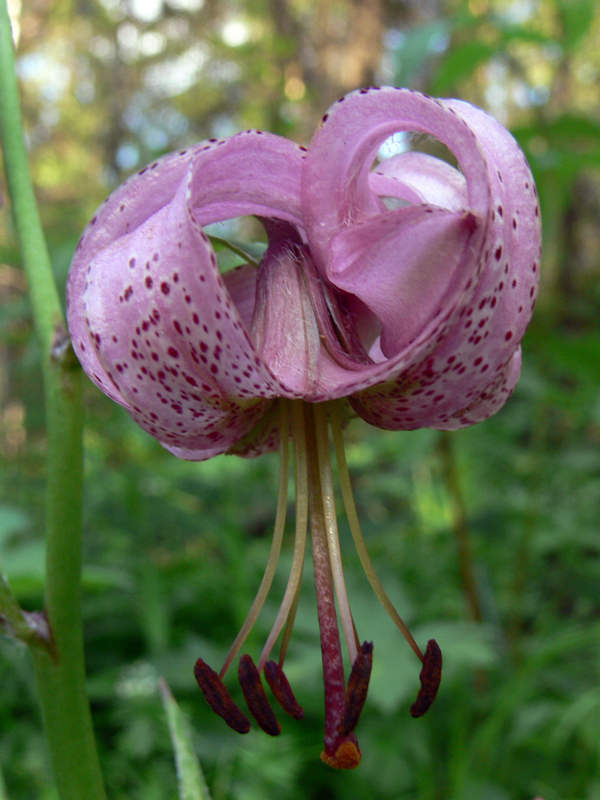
[61, 682]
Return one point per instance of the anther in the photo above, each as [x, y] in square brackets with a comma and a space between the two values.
[282, 690]
[356, 691]
[219, 698]
[256, 697]
[430, 677]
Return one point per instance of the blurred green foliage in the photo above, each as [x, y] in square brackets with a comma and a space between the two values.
[174, 551]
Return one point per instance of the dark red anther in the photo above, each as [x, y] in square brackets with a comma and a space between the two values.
[219, 698]
[430, 677]
[282, 690]
[356, 691]
[256, 697]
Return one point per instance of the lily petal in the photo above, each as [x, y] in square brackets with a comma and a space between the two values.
[459, 360]
[252, 173]
[405, 266]
[336, 190]
[420, 178]
[179, 356]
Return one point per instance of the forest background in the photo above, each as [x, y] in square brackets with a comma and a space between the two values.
[173, 551]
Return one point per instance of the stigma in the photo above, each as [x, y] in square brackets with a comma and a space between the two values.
[309, 429]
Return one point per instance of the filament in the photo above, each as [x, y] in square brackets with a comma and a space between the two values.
[291, 597]
[282, 497]
[289, 625]
[353, 521]
[333, 541]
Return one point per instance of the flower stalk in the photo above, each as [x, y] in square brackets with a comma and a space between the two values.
[60, 679]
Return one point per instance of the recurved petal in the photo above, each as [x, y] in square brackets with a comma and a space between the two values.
[420, 178]
[336, 188]
[252, 173]
[128, 207]
[152, 319]
[406, 266]
[169, 338]
[474, 364]
[426, 398]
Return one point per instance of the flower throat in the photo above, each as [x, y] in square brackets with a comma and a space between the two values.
[307, 425]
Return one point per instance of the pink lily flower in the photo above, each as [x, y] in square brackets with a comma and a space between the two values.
[399, 293]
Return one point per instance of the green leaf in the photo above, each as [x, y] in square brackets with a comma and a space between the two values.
[577, 17]
[510, 32]
[192, 785]
[581, 134]
[417, 46]
[460, 62]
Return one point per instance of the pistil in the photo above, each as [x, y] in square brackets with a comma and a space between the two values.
[340, 750]
[331, 529]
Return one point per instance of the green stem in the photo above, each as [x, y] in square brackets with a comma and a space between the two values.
[61, 683]
[460, 525]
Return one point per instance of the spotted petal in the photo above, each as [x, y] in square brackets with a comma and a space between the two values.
[463, 284]
[152, 320]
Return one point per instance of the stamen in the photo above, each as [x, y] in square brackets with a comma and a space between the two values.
[355, 529]
[256, 697]
[280, 686]
[289, 625]
[356, 692]
[291, 597]
[430, 677]
[219, 698]
[282, 497]
[333, 541]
